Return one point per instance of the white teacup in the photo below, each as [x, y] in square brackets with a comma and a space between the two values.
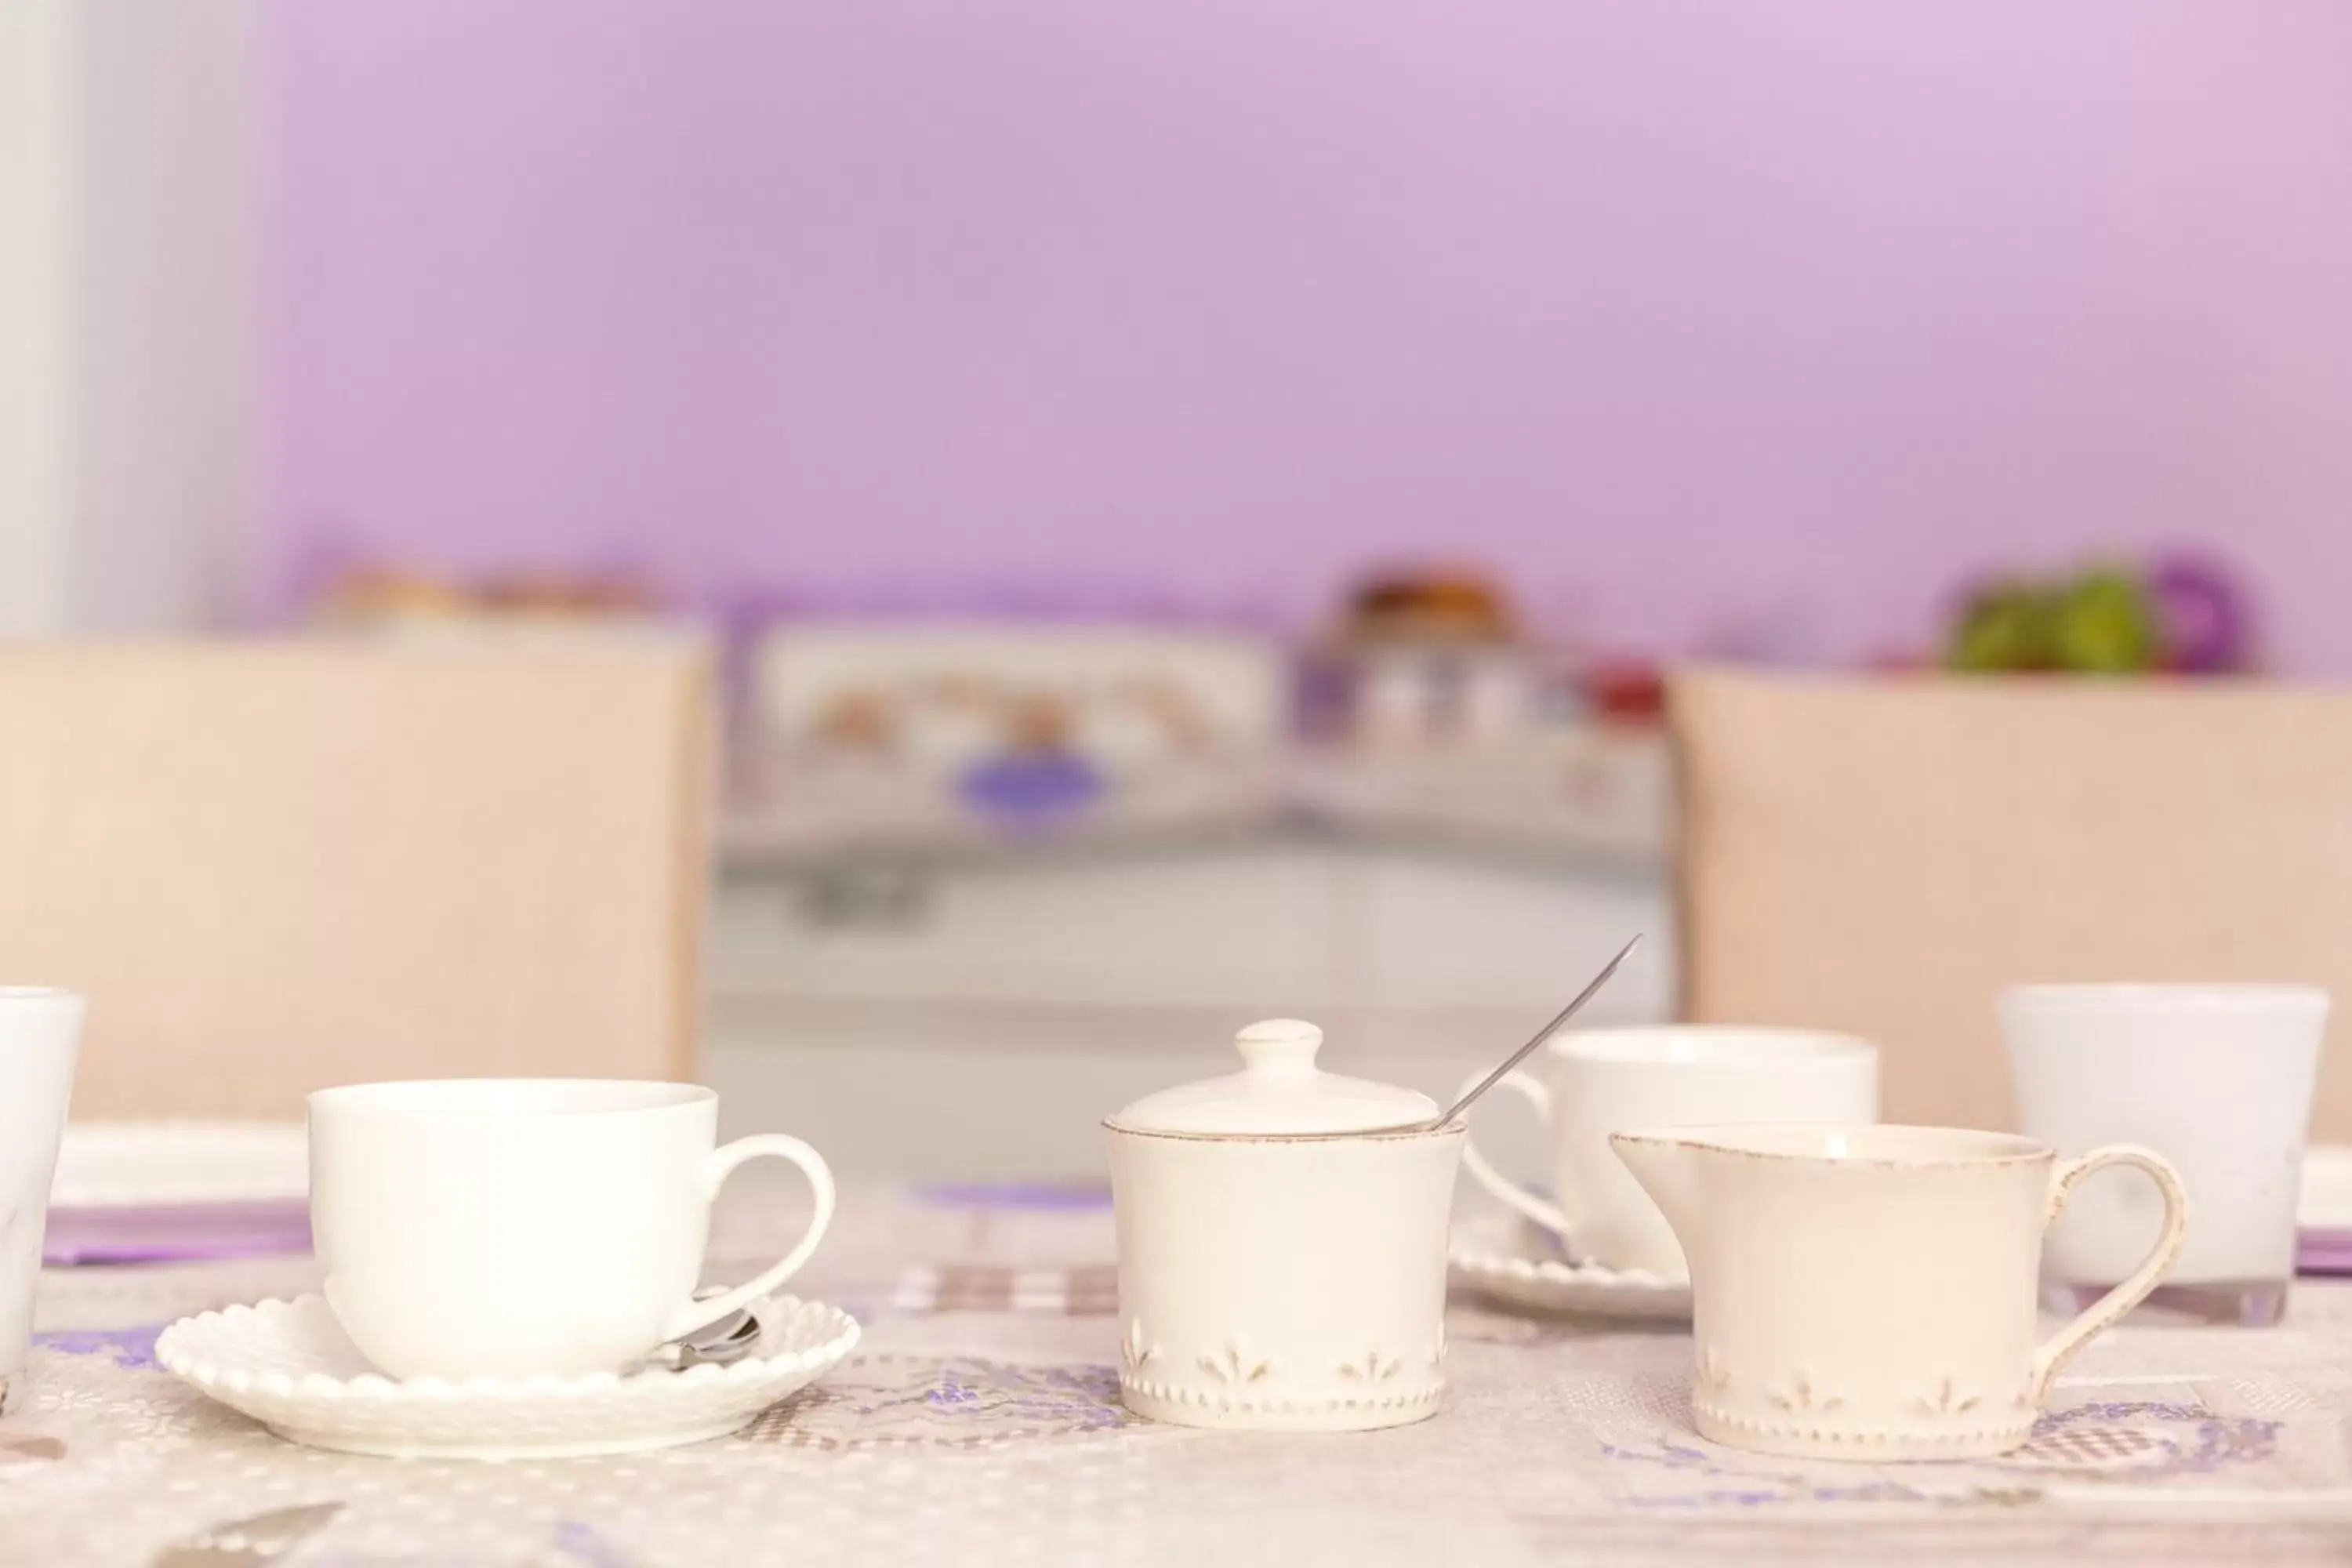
[487, 1228]
[1598, 1081]
[2216, 1079]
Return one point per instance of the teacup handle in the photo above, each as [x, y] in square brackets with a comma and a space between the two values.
[2101, 1314]
[1546, 1215]
[701, 1314]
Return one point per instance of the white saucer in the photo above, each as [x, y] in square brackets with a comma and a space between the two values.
[1517, 1264]
[289, 1365]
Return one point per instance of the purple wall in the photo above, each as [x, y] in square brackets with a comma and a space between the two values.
[1684, 313]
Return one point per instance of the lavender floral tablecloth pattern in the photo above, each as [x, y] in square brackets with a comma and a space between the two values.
[979, 1423]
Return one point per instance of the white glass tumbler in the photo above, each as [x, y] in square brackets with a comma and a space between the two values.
[2216, 1079]
[40, 1035]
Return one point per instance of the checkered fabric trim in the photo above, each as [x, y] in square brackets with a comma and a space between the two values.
[1084, 1291]
[2090, 1449]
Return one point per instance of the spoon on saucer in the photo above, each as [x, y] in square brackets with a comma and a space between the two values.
[724, 1340]
[1454, 1111]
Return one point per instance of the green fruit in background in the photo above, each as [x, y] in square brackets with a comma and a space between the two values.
[2104, 623]
[2002, 626]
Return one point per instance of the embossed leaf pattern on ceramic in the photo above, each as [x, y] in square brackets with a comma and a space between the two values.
[1949, 1399]
[1135, 1352]
[1373, 1368]
[1237, 1365]
[1711, 1375]
[1800, 1396]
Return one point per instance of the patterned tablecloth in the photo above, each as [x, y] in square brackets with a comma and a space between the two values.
[979, 1423]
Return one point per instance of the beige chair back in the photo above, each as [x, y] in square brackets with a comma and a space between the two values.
[1882, 855]
[274, 866]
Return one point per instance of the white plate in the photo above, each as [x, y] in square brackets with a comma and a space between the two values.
[123, 1164]
[290, 1366]
[1519, 1265]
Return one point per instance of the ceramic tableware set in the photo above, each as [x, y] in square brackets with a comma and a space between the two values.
[509, 1265]
[1868, 1292]
[1598, 1245]
[1856, 1291]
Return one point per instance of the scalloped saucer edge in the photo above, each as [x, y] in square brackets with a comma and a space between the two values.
[289, 1365]
[1512, 1262]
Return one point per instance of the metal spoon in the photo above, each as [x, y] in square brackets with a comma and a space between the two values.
[1545, 1033]
[725, 1340]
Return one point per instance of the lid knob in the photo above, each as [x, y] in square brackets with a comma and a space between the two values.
[1279, 1092]
[1280, 1047]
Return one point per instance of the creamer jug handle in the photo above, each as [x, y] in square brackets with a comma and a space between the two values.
[2101, 1315]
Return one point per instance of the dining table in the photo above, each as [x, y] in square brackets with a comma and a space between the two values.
[978, 1422]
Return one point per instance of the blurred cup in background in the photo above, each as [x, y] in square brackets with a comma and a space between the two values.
[2218, 1079]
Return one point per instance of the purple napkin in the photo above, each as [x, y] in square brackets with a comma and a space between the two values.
[1015, 1195]
[2323, 1251]
[177, 1233]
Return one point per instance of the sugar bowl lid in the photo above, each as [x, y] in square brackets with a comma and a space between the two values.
[1279, 1093]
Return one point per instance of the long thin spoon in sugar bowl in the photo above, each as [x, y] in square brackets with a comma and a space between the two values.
[1545, 1033]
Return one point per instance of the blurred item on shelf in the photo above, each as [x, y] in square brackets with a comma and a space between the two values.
[1438, 661]
[882, 733]
[2208, 625]
[1434, 605]
[1418, 658]
[384, 602]
[1626, 692]
[565, 596]
[2180, 614]
[370, 598]
[1412, 695]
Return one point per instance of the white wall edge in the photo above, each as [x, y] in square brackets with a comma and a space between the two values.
[130, 348]
[37, 309]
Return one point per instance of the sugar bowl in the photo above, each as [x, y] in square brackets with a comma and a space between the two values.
[1282, 1242]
